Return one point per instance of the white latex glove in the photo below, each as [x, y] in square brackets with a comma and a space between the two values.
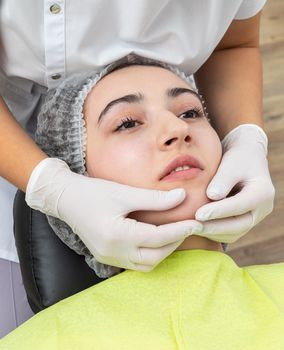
[244, 164]
[96, 210]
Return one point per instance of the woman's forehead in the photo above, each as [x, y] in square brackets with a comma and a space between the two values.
[146, 80]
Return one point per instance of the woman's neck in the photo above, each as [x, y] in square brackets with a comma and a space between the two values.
[198, 242]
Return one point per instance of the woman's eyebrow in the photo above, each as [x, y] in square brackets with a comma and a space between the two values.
[175, 92]
[132, 98]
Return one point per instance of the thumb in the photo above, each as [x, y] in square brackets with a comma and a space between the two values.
[143, 199]
[223, 181]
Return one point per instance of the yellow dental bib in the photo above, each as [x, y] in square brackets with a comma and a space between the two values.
[195, 299]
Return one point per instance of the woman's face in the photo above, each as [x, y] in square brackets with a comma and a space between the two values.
[139, 120]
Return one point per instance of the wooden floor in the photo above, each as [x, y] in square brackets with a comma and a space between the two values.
[265, 243]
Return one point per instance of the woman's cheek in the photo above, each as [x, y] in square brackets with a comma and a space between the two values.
[210, 146]
[117, 163]
[215, 154]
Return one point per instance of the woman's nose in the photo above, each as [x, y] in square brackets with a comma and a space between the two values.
[174, 132]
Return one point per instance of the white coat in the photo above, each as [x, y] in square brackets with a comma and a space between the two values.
[42, 42]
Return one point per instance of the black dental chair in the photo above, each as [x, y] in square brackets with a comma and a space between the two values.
[51, 271]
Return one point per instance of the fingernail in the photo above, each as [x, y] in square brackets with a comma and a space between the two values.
[177, 192]
[198, 229]
[195, 229]
[202, 216]
[213, 195]
[214, 192]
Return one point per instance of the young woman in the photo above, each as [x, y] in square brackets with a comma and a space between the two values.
[145, 126]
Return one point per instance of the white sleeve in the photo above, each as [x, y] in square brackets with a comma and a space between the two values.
[249, 8]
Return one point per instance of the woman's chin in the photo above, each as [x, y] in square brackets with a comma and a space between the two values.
[184, 211]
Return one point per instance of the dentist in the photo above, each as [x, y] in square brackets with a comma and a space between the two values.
[44, 42]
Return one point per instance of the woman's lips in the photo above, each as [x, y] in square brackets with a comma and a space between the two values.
[181, 161]
[182, 174]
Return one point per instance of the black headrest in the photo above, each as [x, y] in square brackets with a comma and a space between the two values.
[51, 271]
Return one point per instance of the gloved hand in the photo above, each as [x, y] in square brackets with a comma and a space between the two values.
[245, 166]
[96, 210]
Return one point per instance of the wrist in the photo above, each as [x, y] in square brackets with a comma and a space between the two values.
[45, 185]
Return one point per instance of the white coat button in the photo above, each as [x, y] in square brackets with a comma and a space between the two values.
[55, 8]
[56, 76]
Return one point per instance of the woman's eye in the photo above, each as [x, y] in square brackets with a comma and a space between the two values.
[192, 113]
[127, 123]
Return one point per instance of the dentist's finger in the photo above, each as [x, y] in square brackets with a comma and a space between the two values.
[153, 256]
[142, 268]
[227, 230]
[244, 201]
[224, 180]
[145, 199]
[151, 236]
